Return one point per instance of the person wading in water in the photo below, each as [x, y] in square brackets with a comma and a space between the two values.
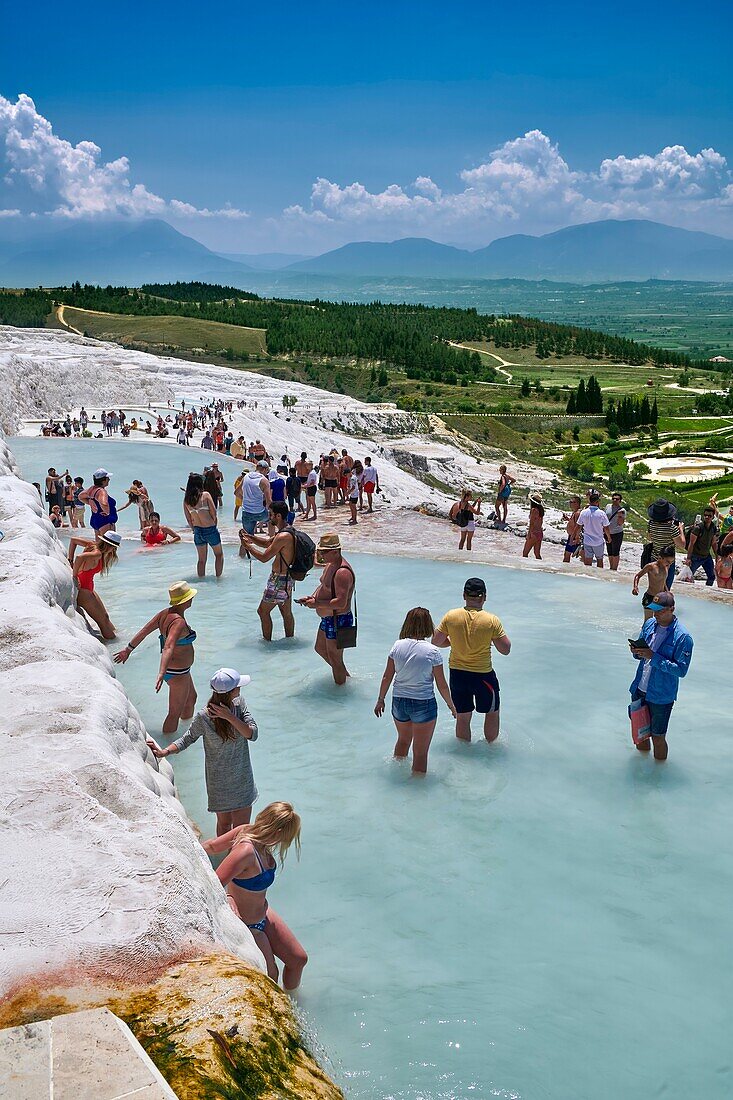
[332, 601]
[280, 550]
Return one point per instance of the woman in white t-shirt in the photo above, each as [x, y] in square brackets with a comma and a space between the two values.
[353, 484]
[416, 666]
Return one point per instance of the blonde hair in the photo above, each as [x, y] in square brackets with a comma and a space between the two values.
[418, 624]
[108, 553]
[275, 828]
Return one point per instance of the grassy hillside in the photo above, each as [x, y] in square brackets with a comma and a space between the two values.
[159, 333]
[502, 383]
[551, 379]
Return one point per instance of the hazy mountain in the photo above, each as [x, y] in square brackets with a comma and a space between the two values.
[265, 261]
[408, 256]
[119, 252]
[595, 252]
[49, 252]
[609, 250]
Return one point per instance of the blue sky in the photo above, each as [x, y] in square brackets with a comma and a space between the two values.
[462, 122]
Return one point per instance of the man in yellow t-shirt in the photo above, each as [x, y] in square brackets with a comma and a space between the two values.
[469, 631]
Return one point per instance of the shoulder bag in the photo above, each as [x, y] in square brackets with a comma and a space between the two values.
[345, 635]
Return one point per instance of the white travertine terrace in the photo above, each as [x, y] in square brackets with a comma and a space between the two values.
[100, 870]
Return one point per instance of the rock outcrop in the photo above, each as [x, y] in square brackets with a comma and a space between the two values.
[106, 897]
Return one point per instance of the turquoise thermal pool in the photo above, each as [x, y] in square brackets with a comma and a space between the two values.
[546, 917]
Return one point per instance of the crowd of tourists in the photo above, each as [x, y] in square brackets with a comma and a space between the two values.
[596, 532]
[272, 501]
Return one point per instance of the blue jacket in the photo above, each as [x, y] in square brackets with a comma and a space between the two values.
[669, 664]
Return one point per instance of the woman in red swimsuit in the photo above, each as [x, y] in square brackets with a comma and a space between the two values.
[155, 535]
[97, 557]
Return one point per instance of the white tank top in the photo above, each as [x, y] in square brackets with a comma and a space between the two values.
[252, 497]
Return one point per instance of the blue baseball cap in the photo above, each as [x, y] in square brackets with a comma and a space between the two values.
[663, 601]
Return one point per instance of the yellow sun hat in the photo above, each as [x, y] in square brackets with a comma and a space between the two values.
[180, 592]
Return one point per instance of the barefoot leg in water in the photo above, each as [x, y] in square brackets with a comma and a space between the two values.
[91, 604]
[181, 701]
[336, 661]
[285, 947]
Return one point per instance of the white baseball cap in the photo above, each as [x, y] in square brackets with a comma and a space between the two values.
[227, 679]
[101, 473]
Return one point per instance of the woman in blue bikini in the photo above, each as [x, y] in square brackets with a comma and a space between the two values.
[248, 871]
[176, 654]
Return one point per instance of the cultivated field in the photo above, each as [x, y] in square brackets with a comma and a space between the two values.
[156, 333]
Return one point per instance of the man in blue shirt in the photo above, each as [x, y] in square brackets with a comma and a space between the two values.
[663, 660]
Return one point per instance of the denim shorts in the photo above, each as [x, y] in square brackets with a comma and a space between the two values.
[206, 536]
[251, 519]
[414, 710]
[590, 551]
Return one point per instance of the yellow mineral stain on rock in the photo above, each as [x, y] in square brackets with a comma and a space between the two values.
[213, 1026]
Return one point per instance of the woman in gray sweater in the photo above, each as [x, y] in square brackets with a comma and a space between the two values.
[227, 728]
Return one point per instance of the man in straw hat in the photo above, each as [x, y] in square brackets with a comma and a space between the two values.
[332, 601]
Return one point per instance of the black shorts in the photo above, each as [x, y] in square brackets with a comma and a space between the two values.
[614, 548]
[330, 484]
[311, 490]
[477, 691]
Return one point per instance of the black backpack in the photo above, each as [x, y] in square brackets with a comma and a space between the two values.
[461, 517]
[304, 557]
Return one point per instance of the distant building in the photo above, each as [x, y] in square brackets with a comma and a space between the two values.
[719, 359]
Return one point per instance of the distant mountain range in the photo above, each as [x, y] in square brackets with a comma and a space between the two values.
[120, 252]
[131, 253]
[596, 252]
[265, 261]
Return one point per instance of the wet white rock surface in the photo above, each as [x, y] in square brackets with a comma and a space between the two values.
[100, 870]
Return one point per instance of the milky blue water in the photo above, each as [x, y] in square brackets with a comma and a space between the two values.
[545, 917]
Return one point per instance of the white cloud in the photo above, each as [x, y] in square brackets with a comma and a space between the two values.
[72, 180]
[673, 172]
[524, 184]
[527, 182]
[425, 186]
[186, 210]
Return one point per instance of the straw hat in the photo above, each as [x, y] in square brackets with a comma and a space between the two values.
[329, 541]
[180, 592]
[535, 497]
[111, 537]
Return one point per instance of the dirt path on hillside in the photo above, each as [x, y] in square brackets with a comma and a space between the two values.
[502, 362]
[65, 323]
